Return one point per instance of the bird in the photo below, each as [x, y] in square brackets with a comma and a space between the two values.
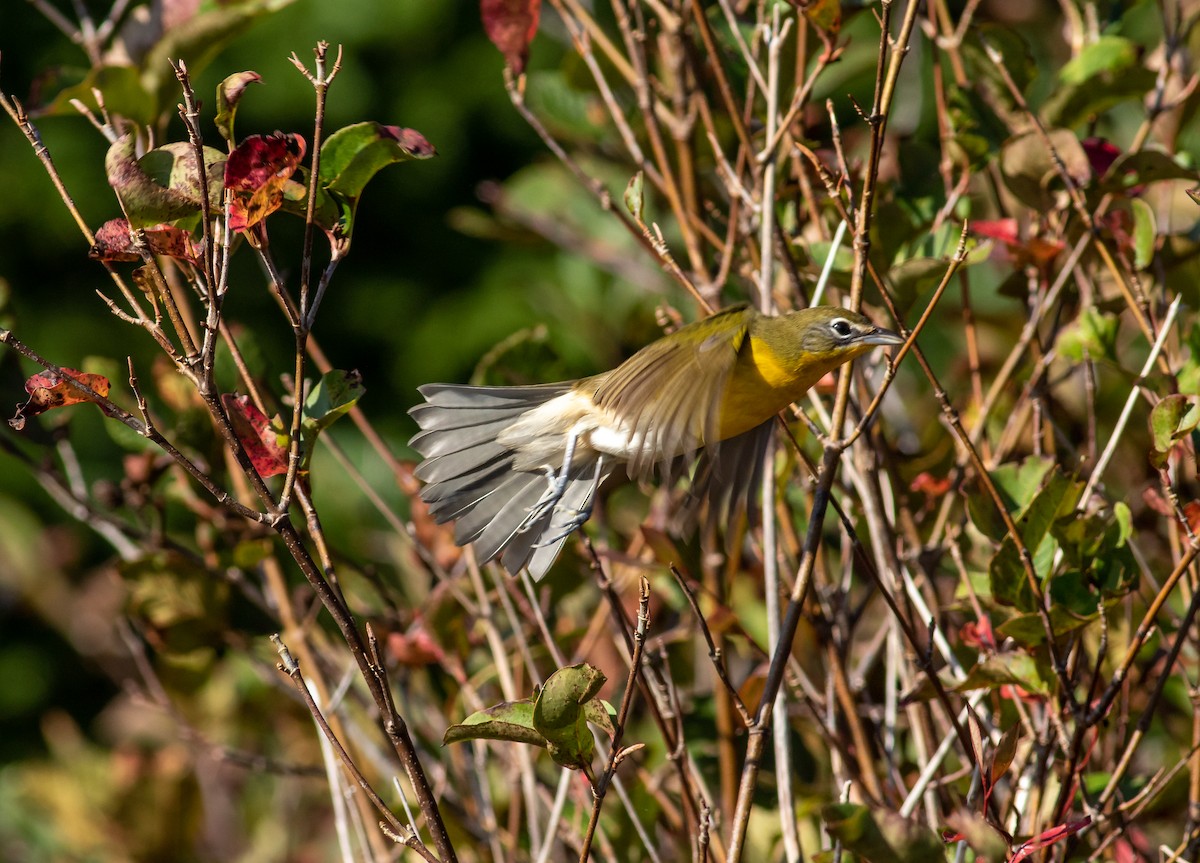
[516, 468]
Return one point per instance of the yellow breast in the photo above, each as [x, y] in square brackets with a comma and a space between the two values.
[763, 384]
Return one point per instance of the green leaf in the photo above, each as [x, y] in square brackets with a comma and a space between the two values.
[1016, 58]
[1003, 669]
[1028, 630]
[1093, 333]
[881, 836]
[351, 156]
[560, 714]
[978, 132]
[332, 398]
[1173, 418]
[1072, 105]
[913, 277]
[635, 196]
[1145, 232]
[985, 840]
[1010, 584]
[179, 600]
[1107, 54]
[600, 713]
[1144, 167]
[509, 720]
[569, 113]
[1017, 485]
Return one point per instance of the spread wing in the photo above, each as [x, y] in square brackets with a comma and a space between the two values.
[669, 393]
[728, 476]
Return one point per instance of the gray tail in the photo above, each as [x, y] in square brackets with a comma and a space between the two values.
[469, 477]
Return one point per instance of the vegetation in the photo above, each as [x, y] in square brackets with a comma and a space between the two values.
[964, 625]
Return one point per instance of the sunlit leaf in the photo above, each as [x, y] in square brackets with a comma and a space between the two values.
[229, 93]
[1093, 334]
[350, 157]
[265, 442]
[120, 86]
[114, 242]
[510, 720]
[257, 176]
[560, 714]
[197, 40]
[48, 390]
[163, 185]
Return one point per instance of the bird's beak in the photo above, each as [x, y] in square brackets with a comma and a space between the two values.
[880, 336]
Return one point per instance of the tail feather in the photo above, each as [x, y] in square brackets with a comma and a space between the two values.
[470, 477]
[461, 463]
[450, 497]
[506, 514]
[456, 396]
[434, 442]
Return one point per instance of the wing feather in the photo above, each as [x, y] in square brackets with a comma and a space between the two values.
[669, 393]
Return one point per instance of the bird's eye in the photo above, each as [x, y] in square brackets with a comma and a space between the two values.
[841, 328]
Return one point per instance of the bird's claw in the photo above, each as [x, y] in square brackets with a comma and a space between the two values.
[576, 521]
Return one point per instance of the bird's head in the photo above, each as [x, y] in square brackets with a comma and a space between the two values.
[836, 333]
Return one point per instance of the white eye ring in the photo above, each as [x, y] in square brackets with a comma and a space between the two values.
[841, 328]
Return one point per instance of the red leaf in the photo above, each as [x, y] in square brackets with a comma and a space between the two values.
[1048, 837]
[256, 175]
[1191, 511]
[113, 242]
[1100, 154]
[1035, 250]
[927, 483]
[1004, 230]
[978, 634]
[49, 390]
[415, 647]
[412, 141]
[511, 25]
[1013, 692]
[266, 447]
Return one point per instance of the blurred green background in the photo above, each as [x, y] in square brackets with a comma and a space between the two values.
[417, 300]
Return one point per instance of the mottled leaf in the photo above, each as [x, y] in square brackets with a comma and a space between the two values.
[509, 720]
[163, 185]
[229, 93]
[258, 175]
[264, 441]
[114, 242]
[48, 390]
[560, 714]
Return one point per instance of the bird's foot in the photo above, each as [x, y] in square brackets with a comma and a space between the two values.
[577, 519]
[548, 502]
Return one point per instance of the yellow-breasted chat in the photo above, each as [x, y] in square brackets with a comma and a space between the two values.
[517, 468]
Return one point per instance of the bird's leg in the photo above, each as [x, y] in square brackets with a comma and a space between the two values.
[557, 484]
[579, 516]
